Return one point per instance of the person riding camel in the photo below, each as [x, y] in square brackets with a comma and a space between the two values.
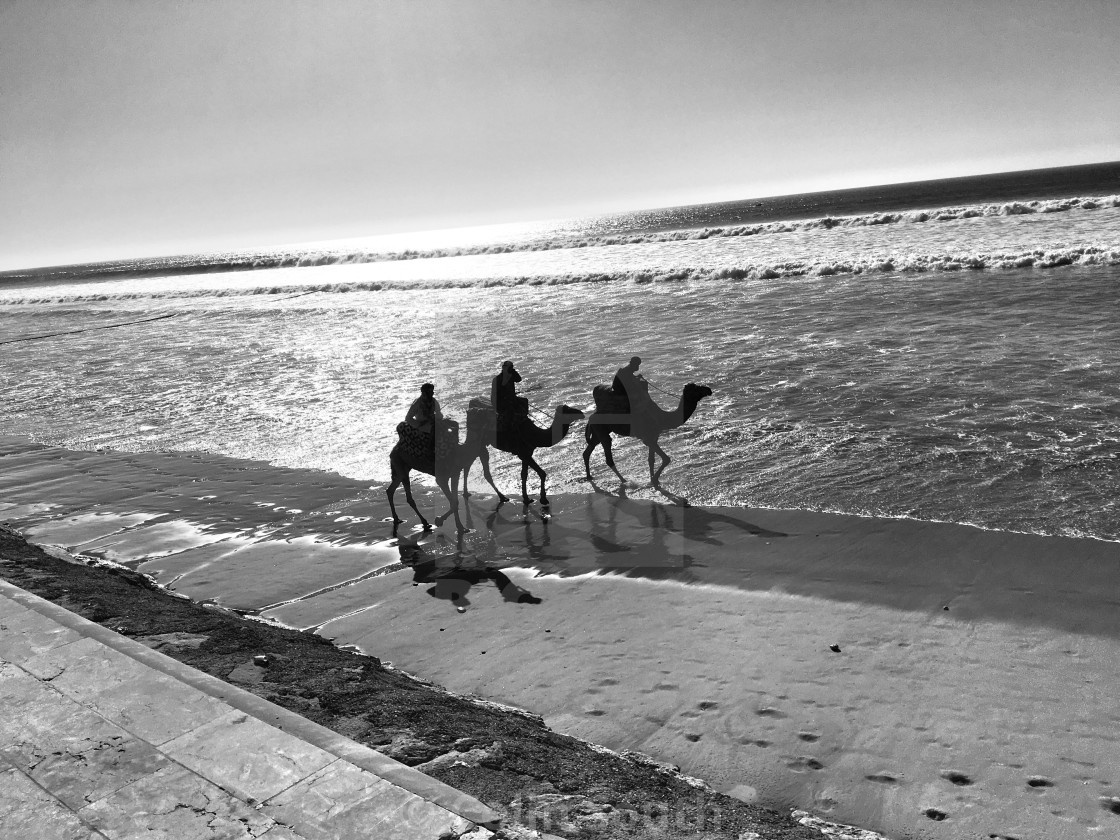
[425, 411]
[503, 396]
[633, 385]
[431, 433]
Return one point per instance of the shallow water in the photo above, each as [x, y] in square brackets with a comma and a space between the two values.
[958, 366]
[986, 398]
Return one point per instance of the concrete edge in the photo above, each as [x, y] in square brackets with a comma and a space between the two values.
[369, 759]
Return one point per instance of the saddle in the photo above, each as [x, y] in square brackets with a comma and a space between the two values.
[610, 401]
[613, 408]
[426, 448]
[490, 423]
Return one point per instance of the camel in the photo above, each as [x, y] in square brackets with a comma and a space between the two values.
[521, 440]
[409, 454]
[611, 415]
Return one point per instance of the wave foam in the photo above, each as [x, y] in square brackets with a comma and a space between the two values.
[875, 264]
[943, 214]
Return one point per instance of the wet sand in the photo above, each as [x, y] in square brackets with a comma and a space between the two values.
[921, 679]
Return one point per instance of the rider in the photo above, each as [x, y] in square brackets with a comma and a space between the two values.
[628, 381]
[503, 395]
[425, 412]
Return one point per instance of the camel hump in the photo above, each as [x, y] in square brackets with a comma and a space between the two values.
[480, 403]
[609, 401]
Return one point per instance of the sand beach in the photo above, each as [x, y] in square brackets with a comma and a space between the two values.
[920, 679]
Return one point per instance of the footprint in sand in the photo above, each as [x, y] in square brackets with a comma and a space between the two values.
[1039, 782]
[705, 705]
[956, 777]
[804, 762]
[770, 711]
[1111, 803]
[808, 736]
[883, 778]
[755, 742]
[935, 814]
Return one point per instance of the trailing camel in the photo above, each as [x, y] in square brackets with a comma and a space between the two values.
[520, 437]
[414, 452]
[612, 415]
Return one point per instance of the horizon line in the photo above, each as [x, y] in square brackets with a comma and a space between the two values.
[292, 246]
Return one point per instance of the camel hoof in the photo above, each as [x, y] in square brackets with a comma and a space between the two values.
[503, 499]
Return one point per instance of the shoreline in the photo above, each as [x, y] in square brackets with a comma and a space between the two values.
[701, 636]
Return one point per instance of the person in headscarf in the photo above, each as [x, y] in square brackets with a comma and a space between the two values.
[503, 394]
[628, 381]
[425, 411]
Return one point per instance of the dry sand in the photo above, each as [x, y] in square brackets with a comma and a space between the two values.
[921, 679]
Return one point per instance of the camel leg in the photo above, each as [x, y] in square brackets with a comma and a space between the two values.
[609, 456]
[531, 462]
[592, 439]
[412, 502]
[655, 477]
[466, 474]
[524, 482]
[484, 458]
[452, 500]
[391, 491]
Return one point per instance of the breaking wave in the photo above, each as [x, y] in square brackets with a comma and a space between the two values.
[903, 264]
[942, 214]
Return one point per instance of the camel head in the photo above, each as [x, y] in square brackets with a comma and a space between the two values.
[693, 393]
[567, 415]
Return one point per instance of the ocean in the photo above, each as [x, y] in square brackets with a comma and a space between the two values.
[944, 351]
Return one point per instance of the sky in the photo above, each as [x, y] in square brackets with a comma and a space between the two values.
[133, 128]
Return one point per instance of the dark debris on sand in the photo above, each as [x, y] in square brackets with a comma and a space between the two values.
[540, 781]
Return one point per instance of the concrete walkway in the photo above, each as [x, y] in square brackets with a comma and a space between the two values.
[102, 738]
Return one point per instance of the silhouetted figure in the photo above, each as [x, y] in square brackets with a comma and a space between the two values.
[503, 396]
[625, 408]
[428, 442]
[631, 384]
[425, 411]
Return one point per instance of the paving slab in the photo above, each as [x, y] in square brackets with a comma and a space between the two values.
[250, 758]
[103, 738]
[81, 757]
[343, 801]
[107, 681]
[175, 803]
[30, 813]
[25, 634]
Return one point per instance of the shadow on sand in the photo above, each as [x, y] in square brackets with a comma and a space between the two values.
[937, 568]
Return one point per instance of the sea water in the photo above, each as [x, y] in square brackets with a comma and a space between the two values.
[884, 353]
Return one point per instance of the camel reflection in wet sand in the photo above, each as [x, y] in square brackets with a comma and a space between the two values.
[614, 535]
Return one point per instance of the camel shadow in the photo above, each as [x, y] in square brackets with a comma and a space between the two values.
[608, 533]
[454, 570]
